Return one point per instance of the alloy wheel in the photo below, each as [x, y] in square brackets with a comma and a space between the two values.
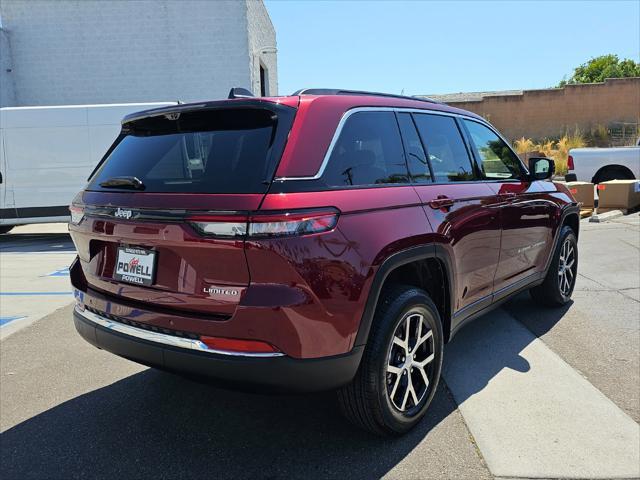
[408, 374]
[566, 268]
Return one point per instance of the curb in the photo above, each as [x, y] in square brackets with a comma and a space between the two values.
[603, 217]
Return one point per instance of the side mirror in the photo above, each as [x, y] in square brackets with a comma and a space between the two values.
[541, 168]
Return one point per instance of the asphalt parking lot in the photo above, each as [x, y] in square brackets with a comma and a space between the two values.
[527, 393]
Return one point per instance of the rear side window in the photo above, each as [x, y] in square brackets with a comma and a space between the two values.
[497, 160]
[416, 156]
[213, 151]
[368, 151]
[446, 151]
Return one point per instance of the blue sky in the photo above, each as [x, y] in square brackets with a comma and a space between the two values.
[444, 47]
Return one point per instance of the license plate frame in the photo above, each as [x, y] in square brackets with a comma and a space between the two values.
[135, 265]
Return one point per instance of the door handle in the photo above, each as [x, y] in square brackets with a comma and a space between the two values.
[441, 201]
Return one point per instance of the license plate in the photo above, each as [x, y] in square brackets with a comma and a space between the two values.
[135, 265]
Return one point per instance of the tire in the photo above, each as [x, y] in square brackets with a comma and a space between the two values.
[366, 401]
[559, 282]
[5, 229]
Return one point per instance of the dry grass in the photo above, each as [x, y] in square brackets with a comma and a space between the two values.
[524, 145]
[563, 146]
[558, 150]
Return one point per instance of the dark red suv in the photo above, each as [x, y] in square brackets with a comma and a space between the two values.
[325, 240]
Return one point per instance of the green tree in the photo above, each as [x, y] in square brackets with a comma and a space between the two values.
[605, 66]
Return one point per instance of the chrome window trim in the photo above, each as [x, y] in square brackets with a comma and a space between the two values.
[352, 111]
[156, 337]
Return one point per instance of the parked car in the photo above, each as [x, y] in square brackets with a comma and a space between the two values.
[596, 165]
[325, 240]
[47, 153]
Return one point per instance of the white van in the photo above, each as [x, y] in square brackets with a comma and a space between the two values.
[47, 153]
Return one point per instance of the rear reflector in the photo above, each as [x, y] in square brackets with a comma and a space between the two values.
[272, 224]
[77, 214]
[570, 163]
[237, 345]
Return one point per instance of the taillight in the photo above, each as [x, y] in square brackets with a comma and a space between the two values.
[238, 345]
[227, 226]
[77, 214]
[275, 225]
[266, 225]
[570, 163]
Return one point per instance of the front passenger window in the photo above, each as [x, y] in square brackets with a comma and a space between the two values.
[496, 158]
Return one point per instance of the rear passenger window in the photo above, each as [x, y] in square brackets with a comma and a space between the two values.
[416, 157]
[497, 160]
[446, 151]
[369, 151]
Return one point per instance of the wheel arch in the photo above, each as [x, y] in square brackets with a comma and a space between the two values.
[627, 171]
[568, 215]
[407, 267]
[572, 219]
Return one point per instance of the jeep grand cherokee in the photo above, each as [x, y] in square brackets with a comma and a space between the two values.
[328, 240]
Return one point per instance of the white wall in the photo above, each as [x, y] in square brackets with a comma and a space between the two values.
[7, 90]
[91, 51]
[262, 36]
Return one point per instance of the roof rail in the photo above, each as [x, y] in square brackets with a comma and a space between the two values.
[338, 91]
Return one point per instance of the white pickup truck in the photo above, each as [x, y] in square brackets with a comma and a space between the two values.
[597, 165]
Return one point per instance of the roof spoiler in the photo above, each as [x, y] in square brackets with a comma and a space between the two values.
[238, 92]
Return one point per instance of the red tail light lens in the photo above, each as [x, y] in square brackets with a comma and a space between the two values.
[237, 345]
[272, 224]
[570, 163]
[292, 224]
[77, 214]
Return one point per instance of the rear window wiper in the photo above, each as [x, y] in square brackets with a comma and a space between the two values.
[123, 182]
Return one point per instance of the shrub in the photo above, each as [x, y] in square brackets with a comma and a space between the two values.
[524, 145]
[558, 150]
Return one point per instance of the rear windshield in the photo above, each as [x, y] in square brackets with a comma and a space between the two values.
[210, 151]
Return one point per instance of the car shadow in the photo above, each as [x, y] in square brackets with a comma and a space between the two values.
[494, 342]
[36, 242]
[154, 424]
[538, 319]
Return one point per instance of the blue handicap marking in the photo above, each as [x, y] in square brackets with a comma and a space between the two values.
[5, 320]
[63, 272]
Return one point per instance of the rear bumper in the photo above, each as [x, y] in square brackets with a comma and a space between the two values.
[271, 373]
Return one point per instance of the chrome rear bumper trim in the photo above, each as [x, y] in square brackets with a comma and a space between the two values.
[156, 337]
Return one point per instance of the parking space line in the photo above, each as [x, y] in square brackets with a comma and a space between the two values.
[531, 414]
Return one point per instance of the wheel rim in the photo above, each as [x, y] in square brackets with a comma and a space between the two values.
[567, 268]
[408, 372]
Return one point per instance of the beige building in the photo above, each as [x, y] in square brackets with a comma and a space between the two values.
[551, 112]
